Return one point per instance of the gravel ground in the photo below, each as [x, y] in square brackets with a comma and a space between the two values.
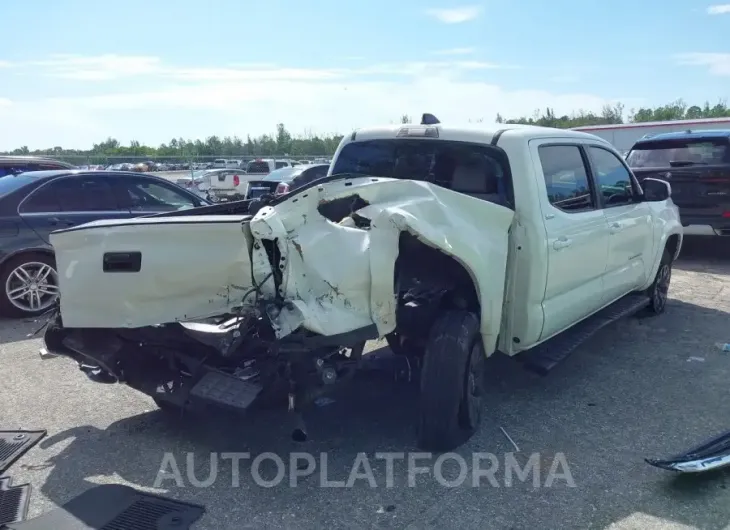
[629, 393]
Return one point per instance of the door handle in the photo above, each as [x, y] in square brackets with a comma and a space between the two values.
[56, 221]
[562, 243]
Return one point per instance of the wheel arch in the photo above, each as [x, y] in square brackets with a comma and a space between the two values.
[34, 250]
[671, 241]
[468, 290]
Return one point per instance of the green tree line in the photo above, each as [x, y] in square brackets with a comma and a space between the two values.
[283, 143]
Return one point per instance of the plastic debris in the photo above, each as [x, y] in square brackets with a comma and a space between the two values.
[723, 346]
[696, 359]
[45, 354]
[510, 439]
[323, 401]
[711, 455]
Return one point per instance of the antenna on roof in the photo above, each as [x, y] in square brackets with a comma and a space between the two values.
[429, 119]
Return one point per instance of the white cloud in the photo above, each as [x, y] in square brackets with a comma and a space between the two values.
[99, 68]
[720, 9]
[716, 63]
[455, 51]
[455, 15]
[166, 101]
[5, 64]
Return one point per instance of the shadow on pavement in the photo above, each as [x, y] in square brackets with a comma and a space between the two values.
[705, 254]
[20, 329]
[628, 393]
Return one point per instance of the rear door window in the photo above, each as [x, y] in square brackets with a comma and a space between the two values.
[566, 178]
[142, 195]
[279, 164]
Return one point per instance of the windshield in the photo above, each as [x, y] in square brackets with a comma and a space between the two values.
[284, 174]
[668, 153]
[467, 168]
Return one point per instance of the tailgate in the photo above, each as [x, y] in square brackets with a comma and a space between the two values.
[696, 190]
[227, 180]
[147, 271]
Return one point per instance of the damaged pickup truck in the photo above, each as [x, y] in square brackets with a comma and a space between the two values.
[451, 243]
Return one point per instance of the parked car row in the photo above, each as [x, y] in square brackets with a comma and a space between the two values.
[233, 185]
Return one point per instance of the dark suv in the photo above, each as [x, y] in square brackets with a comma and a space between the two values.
[697, 165]
[13, 165]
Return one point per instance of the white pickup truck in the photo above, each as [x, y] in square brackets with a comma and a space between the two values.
[452, 243]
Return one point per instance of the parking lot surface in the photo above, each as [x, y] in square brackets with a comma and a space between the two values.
[640, 388]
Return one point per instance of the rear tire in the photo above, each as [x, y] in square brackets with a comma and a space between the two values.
[452, 382]
[659, 290]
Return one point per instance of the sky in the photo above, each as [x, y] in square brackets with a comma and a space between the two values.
[74, 72]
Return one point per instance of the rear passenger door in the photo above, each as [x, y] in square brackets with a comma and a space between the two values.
[70, 201]
[576, 233]
[631, 242]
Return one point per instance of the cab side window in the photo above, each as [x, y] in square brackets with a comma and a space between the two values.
[566, 178]
[614, 180]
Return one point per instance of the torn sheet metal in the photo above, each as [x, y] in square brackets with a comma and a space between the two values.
[334, 277]
[709, 456]
[340, 277]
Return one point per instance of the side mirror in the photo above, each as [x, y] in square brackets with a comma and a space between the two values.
[656, 190]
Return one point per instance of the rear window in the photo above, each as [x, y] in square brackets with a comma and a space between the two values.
[471, 169]
[258, 167]
[280, 165]
[676, 153]
[10, 183]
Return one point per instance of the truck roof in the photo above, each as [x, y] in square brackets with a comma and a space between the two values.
[475, 133]
[687, 135]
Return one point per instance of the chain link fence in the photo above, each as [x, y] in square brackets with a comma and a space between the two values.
[242, 160]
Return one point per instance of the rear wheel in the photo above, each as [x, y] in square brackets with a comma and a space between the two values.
[452, 382]
[29, 285]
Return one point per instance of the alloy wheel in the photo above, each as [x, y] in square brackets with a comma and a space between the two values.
[32, 286]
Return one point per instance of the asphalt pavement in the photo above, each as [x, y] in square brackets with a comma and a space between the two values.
[640, 388]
